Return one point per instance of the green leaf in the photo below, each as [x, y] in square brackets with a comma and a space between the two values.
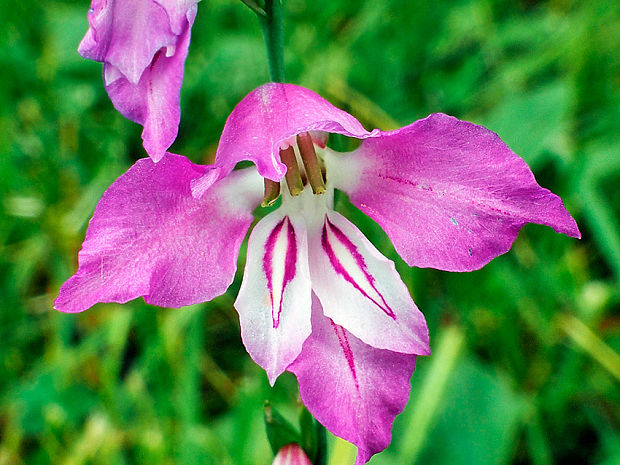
[480, 418]
[279, 431]
[531, 123]
[313, 438]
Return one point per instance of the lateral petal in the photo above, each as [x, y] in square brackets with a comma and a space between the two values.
[353, 389]
[274, 298]
[268, 117]
[360, 289]
[149, 237]
[449, 194]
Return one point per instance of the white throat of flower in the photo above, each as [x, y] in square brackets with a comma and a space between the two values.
[312, 208]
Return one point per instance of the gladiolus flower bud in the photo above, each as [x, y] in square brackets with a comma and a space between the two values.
[291, 454]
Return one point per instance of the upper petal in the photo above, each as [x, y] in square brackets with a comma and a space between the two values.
[154, 101]
[274, 298]
[270, 115]
[353, 389]
[149, 237]
[360, 289]
[450, 194]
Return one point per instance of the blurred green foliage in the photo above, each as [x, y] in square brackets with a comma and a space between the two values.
[525, 366]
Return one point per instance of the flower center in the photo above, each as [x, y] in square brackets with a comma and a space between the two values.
[296, 178]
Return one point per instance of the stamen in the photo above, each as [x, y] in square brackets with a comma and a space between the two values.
[293, 176]
[311, 163]
[272, 192]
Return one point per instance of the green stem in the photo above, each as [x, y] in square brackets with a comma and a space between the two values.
[273, 31]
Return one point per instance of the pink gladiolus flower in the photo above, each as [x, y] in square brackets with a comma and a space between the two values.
[317, 298]
[143, 45]
[291, 454]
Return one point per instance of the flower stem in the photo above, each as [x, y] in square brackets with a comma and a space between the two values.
[273, 31]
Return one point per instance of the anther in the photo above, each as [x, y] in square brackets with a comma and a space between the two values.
[311, 163]
[272, 192]
[293, 176]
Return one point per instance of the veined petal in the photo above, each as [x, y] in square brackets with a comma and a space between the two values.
[353, 389]
[270, 115]
[449, 194]
[149, 237]
[154, 102]
[274, 298]
[360, 289]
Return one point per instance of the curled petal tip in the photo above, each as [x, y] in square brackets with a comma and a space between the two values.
[202, 184]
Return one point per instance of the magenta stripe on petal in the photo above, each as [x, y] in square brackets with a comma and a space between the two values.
[359, 261]
[290, 260]
[341, 333]
[275, 294]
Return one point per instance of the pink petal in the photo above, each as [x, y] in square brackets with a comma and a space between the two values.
[450, 194]
[353, 389]
[274, 298]
[269, 116]
[360, 289]
[178, 12]
[155, 101]
[143, 44]
[126, 34]
[149, 237]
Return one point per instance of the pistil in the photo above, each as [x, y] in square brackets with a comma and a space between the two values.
[311, 163]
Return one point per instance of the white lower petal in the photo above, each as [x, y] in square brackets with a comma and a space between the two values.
[360, 289]
[274, 300]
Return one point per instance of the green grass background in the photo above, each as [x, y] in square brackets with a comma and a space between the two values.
[525, 366]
